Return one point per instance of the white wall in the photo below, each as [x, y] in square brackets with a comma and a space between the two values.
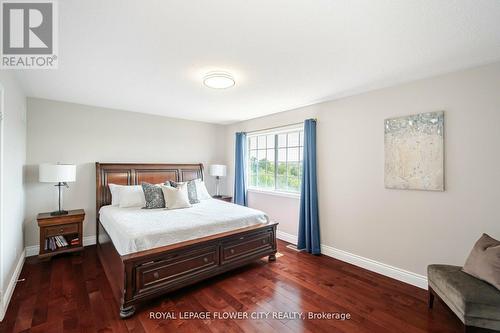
[72, 133]
[405, 229]
[284, 209]
[12, 192]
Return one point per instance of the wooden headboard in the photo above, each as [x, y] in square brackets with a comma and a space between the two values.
[137, 173]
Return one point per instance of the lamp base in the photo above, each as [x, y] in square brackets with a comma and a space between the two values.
[59, 213]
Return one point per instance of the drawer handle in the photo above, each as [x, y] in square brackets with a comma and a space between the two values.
[156, 275]
[205, 259]
[61, 230]
[242, 237]
[264, 241]
[232, 251]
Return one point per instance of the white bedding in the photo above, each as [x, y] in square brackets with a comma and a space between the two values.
[136, 229]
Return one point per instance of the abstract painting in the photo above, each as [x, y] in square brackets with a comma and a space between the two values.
[414, 152]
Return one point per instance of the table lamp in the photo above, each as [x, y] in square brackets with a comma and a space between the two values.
[217, 170]
[60, 174]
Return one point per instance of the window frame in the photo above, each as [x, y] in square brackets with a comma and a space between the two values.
[275, 133]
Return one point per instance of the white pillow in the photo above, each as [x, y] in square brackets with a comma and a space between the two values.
[176, 197]
[201, 190]
[115, 194]
[131, 196]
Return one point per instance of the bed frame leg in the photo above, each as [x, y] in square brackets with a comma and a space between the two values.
[272, 257]
[126, 312]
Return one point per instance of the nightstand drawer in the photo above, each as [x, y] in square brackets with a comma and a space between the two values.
[63, 229]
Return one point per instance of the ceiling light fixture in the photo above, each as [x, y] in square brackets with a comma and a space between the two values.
[219, 80]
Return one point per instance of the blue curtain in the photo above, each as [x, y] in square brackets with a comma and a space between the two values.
[240, 182]
[309, 217]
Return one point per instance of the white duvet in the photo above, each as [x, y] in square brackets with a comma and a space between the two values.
[136, 229]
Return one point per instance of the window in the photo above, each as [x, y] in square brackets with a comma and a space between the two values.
[275, 160]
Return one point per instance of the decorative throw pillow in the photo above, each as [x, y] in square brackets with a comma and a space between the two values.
[131, 196]
[191, 188]
[153, 196]
[484, 261]
[176, 197]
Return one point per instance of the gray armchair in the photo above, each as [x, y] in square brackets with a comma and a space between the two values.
[475, 302]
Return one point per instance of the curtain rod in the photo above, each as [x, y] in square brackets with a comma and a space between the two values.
[276, 127]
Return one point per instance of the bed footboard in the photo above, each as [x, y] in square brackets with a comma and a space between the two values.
[147, 274]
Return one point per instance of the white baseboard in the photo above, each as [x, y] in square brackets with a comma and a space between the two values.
[286, 237]
[34, 249]
[89, 240]
[5, 300]
[366, 263]
[31, 250]
[376, 266]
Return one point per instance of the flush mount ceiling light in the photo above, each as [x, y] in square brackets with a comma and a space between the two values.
[219, 80]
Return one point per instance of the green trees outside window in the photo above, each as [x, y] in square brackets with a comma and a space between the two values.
[275, 161]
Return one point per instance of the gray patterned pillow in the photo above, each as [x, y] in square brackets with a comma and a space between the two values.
[153, 195]
[191, 186]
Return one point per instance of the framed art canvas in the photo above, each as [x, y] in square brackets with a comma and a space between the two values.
[414, 152]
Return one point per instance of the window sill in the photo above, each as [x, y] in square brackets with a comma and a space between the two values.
[275, 193]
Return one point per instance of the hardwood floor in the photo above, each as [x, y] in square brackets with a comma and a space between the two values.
[72, 294]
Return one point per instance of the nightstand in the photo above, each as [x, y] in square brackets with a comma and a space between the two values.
[224, 198]
[60, 234]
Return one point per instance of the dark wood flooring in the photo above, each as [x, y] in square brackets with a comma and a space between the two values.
[71, 294]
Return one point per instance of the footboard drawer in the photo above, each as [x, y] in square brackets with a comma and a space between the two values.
[247, 245]
[175, 268]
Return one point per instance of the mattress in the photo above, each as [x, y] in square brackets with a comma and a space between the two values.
[136, 229]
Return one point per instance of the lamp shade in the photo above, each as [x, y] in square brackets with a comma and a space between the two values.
[56, 173]
[217, 170]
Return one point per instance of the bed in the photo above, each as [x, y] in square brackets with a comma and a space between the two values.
[162, 254]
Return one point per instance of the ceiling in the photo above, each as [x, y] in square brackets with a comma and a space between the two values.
[150, 56]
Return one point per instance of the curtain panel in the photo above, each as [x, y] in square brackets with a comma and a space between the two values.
[309, 238]
[240, 182]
